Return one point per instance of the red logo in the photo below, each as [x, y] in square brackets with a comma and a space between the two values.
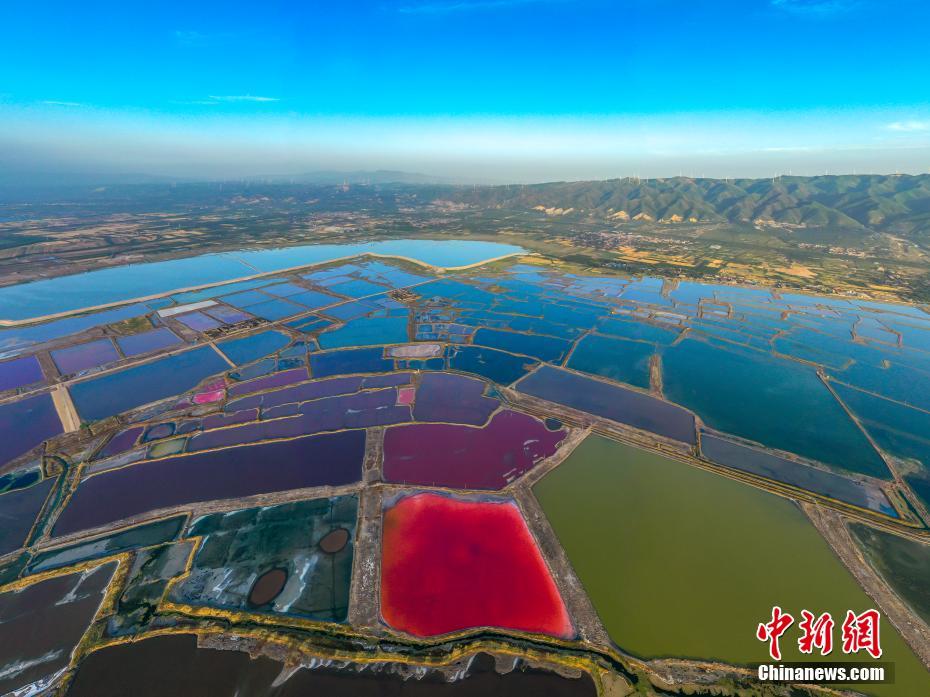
[772, 631]
[860, 632]
[818, 633]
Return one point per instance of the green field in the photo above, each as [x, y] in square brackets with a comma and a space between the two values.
[682, 562]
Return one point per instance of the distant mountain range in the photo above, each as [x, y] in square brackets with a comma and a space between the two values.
[890, 204]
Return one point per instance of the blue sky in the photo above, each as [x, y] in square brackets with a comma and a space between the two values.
[474, 89]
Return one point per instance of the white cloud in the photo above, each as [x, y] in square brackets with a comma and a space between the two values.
[242, 98]
[908, 126]
[55, 102]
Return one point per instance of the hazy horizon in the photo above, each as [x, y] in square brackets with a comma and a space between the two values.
[473, 91]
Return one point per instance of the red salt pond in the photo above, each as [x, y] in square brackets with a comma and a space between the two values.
[449, 565]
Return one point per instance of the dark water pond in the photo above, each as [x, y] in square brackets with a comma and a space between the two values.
[173, 665]
[41, 625]
[18, 511]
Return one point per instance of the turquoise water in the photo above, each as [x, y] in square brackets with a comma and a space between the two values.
[366, 331]
[122, 283]
[775, 402]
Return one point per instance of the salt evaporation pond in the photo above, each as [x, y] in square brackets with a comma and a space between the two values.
[682, 562]
[175, 665]
[332, 459]
[123, 283]
[484, 569]
[471, 458]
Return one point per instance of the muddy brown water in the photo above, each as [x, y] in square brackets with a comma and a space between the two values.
[267, 587]
[335, 541]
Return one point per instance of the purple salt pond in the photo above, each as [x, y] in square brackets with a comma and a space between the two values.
[229, 419]
[25, 424]
[282, 379]
[333, 459]
[198, 321]
[358, 410]
[85, 356]
[453, 399]
[154, 340]
[20, 372]
[610, 401]
[318, 389]
[298, 393]
[121, 442]
[389, 380]
[464, 457]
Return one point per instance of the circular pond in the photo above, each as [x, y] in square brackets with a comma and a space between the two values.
[334, 541]
[267, 587]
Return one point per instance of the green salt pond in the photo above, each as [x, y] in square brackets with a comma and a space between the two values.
[682, 562]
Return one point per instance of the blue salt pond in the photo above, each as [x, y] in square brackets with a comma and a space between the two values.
[15, 340]
[124, 283]
[273, 310]
[503, 368]
[251, 348]
[145, 342]
[366, 331]
[778, 403]
[617, 359]
[349, 361]
[121, 391]
[609, 401]
[545, 348]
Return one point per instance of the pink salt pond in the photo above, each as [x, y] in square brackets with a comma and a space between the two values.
[405, 395]
[209, 397]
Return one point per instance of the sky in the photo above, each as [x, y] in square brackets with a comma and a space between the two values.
[468, 90]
